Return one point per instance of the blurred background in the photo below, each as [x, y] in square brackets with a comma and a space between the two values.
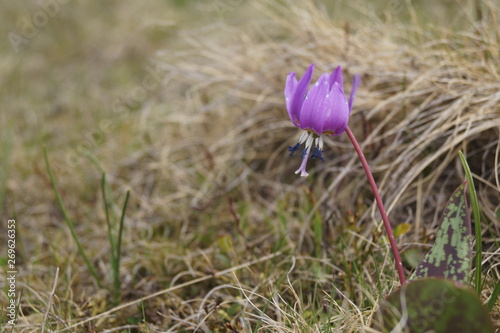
[181, 102]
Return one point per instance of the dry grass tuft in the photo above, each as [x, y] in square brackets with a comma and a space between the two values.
[220, 234]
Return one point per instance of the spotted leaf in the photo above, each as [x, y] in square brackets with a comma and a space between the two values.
[451, 255]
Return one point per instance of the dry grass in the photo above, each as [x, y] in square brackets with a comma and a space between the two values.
[219, 230]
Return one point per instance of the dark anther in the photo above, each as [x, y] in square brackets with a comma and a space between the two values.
[317, 154]
[293, 149]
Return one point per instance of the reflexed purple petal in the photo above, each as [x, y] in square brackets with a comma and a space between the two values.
[337, 116]
[302, 168]
[336, 76]
[355, 84]
[313, 113]
[299, 95]
[290, 88]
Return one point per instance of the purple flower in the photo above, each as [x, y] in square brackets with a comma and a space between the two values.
[322, 110]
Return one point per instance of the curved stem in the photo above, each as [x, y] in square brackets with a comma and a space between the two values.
[378, 199]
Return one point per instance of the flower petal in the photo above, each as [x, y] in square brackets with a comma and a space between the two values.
[336, 76]
[297, 93]
[355, 84]
[290, 88]
[303, 165]
[337, 115]
[313, 113]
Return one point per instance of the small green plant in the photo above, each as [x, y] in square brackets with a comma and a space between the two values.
[115, 240]
[115, 232]
[69, 222]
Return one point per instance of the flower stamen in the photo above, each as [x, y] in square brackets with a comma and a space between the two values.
[293, 149]
[317, 153]
[312, 142]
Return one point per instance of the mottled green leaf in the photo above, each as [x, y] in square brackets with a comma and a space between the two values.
[432, 305]
[451, 255]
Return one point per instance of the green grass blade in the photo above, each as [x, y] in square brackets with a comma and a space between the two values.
[109, 200]
[494, 296]
[92, 158]
[477, 222]
[114, 241]
[113, 257]
[116, 282]
[68, 221]
[108, 222]
[120, 230]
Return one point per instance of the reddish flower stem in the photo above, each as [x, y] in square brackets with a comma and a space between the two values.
[378, 199]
